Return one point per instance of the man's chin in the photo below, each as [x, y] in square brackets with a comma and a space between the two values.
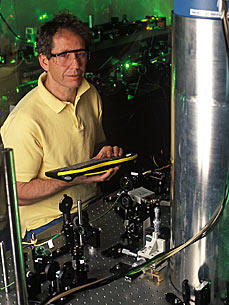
[75, 83]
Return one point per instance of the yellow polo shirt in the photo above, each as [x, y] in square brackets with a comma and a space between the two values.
[46, 133]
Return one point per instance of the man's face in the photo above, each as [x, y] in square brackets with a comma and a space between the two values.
[67, 75]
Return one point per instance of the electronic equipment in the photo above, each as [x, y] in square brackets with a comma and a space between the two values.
[92, 167]
[77, 233]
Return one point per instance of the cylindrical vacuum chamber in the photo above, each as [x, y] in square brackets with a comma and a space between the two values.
[200, 147]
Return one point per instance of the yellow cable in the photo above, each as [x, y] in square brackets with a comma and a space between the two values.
[65, 293]
[176, 250]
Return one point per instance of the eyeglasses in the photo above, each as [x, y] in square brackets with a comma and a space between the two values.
[64, 58]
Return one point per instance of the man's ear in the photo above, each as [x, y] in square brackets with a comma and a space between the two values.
[44, 62]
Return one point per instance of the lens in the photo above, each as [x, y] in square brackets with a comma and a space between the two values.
[65, 59]
[81, 55]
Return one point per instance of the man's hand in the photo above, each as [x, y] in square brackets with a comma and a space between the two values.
[38, 189]
[109, 151]
[95, 178]
[105, 152]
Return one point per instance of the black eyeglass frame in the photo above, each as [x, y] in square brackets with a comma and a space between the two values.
[72, 51]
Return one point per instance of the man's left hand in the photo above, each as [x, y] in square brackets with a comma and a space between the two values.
[109, 151]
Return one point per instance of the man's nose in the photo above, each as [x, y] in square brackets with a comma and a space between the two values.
[75, 60]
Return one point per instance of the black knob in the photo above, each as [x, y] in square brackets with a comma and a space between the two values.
[65, 204]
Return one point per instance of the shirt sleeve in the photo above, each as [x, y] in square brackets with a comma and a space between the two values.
[22, 135]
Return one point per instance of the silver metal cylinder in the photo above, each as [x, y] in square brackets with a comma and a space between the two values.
[200, 151]
[4, 266]
[14, 223]
[79, 205]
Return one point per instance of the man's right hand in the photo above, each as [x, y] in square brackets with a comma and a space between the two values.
[95, 178]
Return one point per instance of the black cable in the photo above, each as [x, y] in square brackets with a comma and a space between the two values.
[104, 281]
[109, 279]
[213, 221]
[209, 228]
[32, 302]
[9, 27]
[88, 286]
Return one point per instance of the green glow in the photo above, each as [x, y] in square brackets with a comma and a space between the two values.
[2, 60]
[130, 97]
[114, 61]
[149, 28]
[128, 64]
[144, 20]
[227, 193]
[28, 83]
[13, 61]
[4, 98]
[43, 16]
[34, 47]
[17, 90]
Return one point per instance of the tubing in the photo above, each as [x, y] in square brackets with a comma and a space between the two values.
[14, 223]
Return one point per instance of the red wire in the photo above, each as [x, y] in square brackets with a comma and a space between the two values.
[158, 169]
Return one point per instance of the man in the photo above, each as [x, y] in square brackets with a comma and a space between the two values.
[57, 124]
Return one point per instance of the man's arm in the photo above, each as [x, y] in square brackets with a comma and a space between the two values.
[38, 189]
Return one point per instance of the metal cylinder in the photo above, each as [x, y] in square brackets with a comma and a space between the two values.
[80, 216]
[200, 152]
[4, 266]
[14, 224]
[79, 205]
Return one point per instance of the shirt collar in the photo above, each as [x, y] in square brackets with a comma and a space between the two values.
[83, 88]
[54, 103]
